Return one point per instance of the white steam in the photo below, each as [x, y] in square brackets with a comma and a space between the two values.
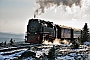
[70, 6]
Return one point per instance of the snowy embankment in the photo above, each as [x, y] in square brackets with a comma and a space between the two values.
[41, 52]
[13, 54]
[63, 53]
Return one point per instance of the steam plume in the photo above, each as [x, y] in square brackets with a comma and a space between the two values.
[56, 42]
[45, 4]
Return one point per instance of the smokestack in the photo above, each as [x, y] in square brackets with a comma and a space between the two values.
[34, 15]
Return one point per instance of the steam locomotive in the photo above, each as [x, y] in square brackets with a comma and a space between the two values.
[39, 30]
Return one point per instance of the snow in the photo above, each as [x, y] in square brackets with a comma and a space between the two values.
[73, 53]
[12, 56]
[1, 57]
[12, 51]
[65, 58]
[29, 58]
[38, 54]
[88, 57]
[79, 56]
[60, 58]
[86, 43]
[45, 51]
[69, 58]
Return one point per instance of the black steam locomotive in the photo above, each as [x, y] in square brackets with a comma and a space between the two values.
[39, 30]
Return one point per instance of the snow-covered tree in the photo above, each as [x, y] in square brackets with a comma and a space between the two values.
[51, 54]
[11, 41]
[85, 33]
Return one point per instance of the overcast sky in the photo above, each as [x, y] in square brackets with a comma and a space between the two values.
[14, 15]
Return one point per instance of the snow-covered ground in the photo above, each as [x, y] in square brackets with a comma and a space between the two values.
[11, 54]
[61, 53]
